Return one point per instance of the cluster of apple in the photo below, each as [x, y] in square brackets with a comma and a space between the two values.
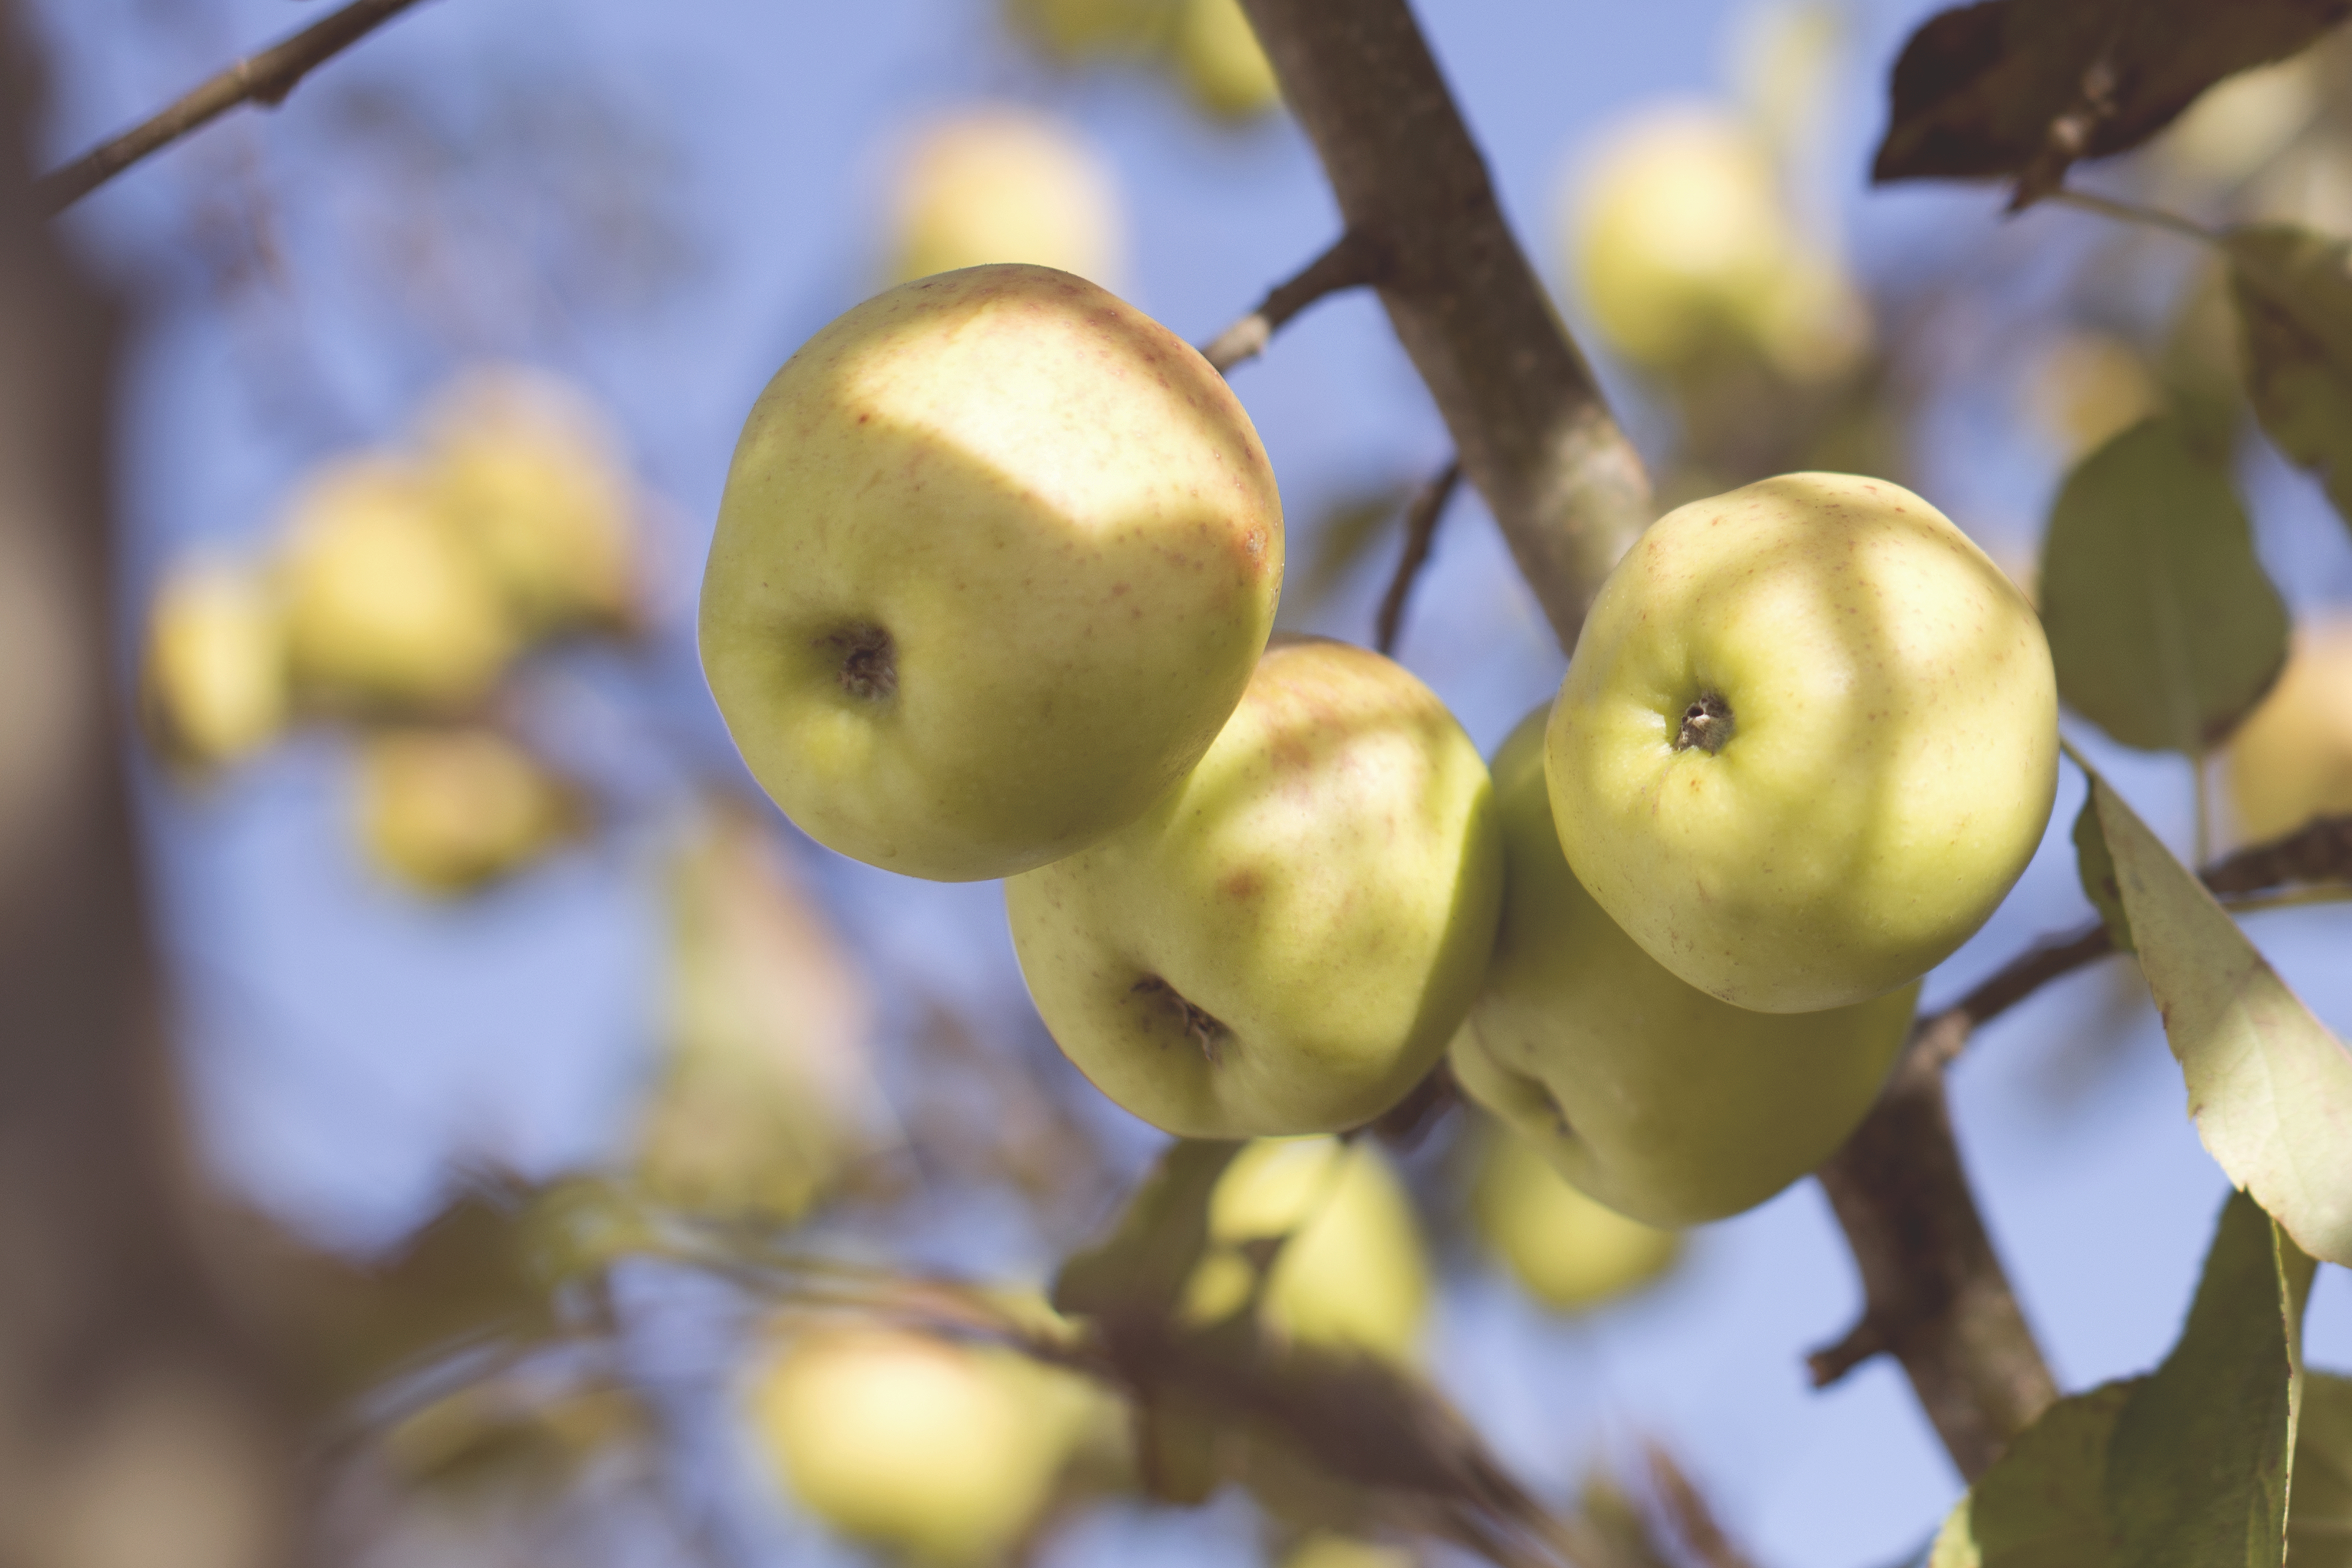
[407, 582]
[990, 595]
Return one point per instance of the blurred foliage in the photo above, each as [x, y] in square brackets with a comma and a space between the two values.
[1205, 46]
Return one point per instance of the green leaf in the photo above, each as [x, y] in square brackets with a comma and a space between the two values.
[2319, 1518]
[2042, 1504]
[2096, 868]
[2270, 1086]
[2294, 294]
[2027, 87]
[2164, 628]
[2196, 1469]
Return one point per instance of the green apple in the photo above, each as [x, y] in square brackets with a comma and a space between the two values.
[2291, 758]
[1286, 941]
[996, 557]
[1353, 1272]
[1808, 740]
[1567, 1250]
[388, 605]
[1663, 1102]
[447, 811]
[1001, 183]
[213, 686]
[942, 1453]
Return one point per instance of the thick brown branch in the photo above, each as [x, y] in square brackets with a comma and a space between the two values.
[264, 78]
[1355, 260]
[1533, 431]
[1938, 1299]
[1420, 521]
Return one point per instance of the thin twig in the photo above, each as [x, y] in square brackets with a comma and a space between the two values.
[2128, 212]
[1420, 521]
[264, 78]
[1355, 260]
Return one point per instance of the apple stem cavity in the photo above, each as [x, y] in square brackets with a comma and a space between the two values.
[1706, 724]
[1197, 1021]
[869, 665]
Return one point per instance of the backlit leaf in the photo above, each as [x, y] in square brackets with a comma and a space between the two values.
[2096, 868]
[2294, 294]
[2196, 1469]
[2271, 1089]
[2164, 628]
[2027, 87]
[2043, 1503]
[2319, 1517]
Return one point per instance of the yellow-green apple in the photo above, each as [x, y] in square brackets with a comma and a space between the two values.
[1353, 1273]
[945, 1454]
[1680, 240]
[526, 466]
[388, 606]
[1567, 1250]
[1808, 740]
[1218, 59]
[446, 811]
[215, 681]
[1286, 941]
[1001, 183]
[1325, 1549]
[996, 557]
[2291, 758]
[1665, 1104]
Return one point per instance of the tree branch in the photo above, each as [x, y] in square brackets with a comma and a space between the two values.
[1355, 260]
[264, 78]
[1420, 530]
[1938, 1299]
[1533, 431]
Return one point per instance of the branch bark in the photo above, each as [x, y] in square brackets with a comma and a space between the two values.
[1533, 431]
[264, 78]
[1355, 260]
[1421, 519]
[135, 1423]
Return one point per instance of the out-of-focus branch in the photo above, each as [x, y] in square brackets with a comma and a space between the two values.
[1421, 517]
[135, 1423]
[1936, 1296]
[1355, 260]
[1533, 431]
[264, 78]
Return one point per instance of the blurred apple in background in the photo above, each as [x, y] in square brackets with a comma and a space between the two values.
[1286, 941]
[943, 1453]
[526, 470]
[1564, 1249]
[1003, 182]
[1680, 242]
[2085, 385]
[389, 606]
[1329, 1550]
[2291, 758]
[446, 811]
[1353, 1273]
[1079, 31]
[214, 683]
[995, 559]
[1218, 59]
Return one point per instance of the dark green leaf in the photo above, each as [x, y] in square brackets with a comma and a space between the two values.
[2041, 1505]
[2319, 1514]
[2027, 87]
[2270, 1086]
[2197, 1471]
[2164, 628]
[2096, 868]
[2294, 293]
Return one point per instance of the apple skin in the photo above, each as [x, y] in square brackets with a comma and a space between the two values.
[1567, 1250]
[1667, 1105]
[2291, 758]
[943, 1453]
[996, 557]
[1892, 752]
[1353, 1273]
[1286, 941]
